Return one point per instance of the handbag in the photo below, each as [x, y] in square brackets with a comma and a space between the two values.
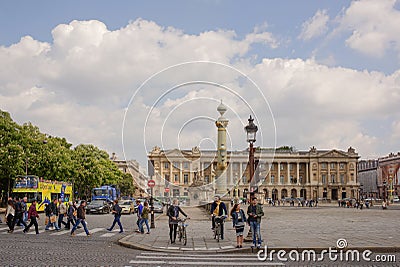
[53, 218]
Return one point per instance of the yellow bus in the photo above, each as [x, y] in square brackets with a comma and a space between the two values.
[43, 191]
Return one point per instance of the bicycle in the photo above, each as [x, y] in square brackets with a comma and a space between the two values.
[182, 236]
[219, 220]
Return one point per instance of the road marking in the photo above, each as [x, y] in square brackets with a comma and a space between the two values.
[147, 262]
[91, 231]
[32, 231]
[5, 228]
[108, 235]
[200, 257]
[61, 232]
[231, 263]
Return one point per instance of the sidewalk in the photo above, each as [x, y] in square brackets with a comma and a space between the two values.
[282, 228]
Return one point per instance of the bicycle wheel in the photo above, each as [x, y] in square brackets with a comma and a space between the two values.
[184, 236]
[180, 233]
[218, 232]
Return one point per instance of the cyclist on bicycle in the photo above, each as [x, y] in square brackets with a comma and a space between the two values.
[173, 214]
[218, 209]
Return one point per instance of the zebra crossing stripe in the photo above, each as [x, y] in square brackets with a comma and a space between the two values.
[91, 231]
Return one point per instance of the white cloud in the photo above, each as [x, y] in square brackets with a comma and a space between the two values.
[315, 26]
[373, 27]
[79, 85]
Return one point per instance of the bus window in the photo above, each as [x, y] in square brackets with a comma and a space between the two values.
[53, 196]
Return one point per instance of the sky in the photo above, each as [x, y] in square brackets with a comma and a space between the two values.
[130, 75]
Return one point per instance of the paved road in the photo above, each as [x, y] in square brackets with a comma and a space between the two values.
[51, 248]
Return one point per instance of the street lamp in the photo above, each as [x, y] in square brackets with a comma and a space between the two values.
[384, 190]
[251, 130]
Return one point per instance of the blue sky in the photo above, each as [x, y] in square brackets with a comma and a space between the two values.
[332, 65]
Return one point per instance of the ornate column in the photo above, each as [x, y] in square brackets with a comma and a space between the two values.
[221, 123]
[298, 173]
[279, 172]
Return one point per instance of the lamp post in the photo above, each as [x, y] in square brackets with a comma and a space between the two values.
[251, 130]
[384, 190]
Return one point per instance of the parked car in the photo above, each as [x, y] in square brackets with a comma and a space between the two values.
[396, 198]
[98, 206]
[158, 207]
[127, 206]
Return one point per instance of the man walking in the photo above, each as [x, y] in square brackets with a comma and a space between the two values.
[117, 217]
[18, 215]
[255, 212]
[139, 214]
[81, 216]
[33, 216]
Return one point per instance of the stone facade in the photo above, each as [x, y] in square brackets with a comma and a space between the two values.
[132, 167]
[388, 175]
[367, 175]
[280, 173]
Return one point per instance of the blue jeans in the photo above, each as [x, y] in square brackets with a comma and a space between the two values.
[117, 220]
[256, 231]
[78, 221]
[144, 221]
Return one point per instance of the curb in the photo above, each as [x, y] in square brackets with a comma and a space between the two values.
[124, 243]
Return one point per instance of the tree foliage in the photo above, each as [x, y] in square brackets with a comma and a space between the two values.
[25, 150]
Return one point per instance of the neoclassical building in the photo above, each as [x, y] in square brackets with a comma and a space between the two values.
[280, 173]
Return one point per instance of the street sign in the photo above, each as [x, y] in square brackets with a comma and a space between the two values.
[167, 189]
[151, 183]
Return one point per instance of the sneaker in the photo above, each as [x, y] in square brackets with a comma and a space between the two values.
[89, 234]
[240, 246]
[237, 246]
[10, 231]
[108, 229]
[72, 234]
[148, 233]
[137, 231]
[259, 246]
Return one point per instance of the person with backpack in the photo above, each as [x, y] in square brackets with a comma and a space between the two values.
[145, 218]
[33, 216]
[71, 215]
[116, 210]
[18, 215]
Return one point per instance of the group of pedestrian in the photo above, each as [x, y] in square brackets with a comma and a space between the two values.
[254, 214]
[143, 212]
[15, 213]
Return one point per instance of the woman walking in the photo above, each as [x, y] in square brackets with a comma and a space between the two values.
[238, 220]
[173, 214]
[10, 212]
[32, 215]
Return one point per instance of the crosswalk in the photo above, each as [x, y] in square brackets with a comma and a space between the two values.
[101, 232]
[181, 259]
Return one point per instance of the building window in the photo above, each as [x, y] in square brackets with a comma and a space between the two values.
[175, 192]
[244, 179]
[333, 178]
[291, 179]
[342, 178]
[332, 165]
[235, 166]
[176, 164]
[291, 166]
[176, 178]
[244, 166]
[272, 179]
[282, 179]
[323, 165]
[341, 166]
[324, 178]
[166, 165]
[272, 166]
[185, 194]
[282, 168]
[301, 179]
[186, 178]
[207, 179]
